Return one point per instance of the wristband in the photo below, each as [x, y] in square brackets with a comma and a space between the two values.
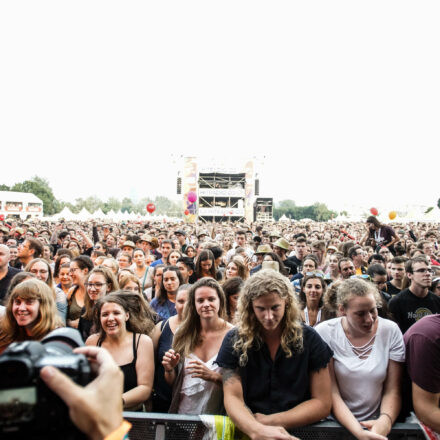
[120, 433]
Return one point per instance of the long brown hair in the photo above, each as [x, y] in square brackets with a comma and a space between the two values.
[187, 337]
[141, 316]
[46, 321]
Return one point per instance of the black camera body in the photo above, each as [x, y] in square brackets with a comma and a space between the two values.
[28, 408]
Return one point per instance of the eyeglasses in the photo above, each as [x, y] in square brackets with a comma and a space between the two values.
[424, 271]
[94, 285]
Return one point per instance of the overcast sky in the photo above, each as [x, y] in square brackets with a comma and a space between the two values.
[342, 98]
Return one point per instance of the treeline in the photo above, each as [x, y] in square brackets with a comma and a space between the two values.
[318, 211]
[41, 188]
[164, 206]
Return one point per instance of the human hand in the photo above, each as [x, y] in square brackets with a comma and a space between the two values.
[271, 433]
[263, 418]
[97, 408]
[199, 369]
[381, 425]
[170, 360]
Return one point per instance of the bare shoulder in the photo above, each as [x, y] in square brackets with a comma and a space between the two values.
[93, 339]
[145, 341]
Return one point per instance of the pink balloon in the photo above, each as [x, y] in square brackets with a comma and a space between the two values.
[192, 196]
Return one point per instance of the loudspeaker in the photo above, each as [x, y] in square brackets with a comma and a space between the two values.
[179, 185]
[257, 187]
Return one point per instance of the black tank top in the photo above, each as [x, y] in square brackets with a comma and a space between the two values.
[129, 370]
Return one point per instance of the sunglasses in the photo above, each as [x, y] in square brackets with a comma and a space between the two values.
[315, 274]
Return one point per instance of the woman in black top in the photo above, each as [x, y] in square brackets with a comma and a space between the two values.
[121, 326]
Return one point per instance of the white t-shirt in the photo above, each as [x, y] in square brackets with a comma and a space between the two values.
[360, 381]
[198, 396]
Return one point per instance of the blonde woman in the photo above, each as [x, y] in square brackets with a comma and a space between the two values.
[367, 365]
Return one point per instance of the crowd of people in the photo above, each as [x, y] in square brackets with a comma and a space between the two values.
[277, 325]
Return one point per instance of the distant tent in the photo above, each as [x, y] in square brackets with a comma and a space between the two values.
[66, 214]
[111, 214]
[84, 215]
[99, 214]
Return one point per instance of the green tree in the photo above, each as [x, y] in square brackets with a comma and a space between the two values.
[317, 211]
[40, 187]
[111, 204]
[127, 205]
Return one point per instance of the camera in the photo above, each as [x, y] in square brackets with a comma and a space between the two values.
[28, 409]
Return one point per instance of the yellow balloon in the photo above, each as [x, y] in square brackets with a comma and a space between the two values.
[392, 215]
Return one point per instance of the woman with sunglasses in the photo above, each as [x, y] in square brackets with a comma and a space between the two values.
[165, 303]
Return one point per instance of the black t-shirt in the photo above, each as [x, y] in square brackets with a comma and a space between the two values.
[274, 386]
[391, 289]
[290, 266]
[4, 282]
[407, 308]
[295, 264]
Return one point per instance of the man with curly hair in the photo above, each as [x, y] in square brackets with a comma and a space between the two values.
[275, 369]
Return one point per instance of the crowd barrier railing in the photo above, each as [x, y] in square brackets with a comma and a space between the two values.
[156, 426]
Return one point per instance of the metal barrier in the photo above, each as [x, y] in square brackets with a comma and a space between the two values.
[155, 426]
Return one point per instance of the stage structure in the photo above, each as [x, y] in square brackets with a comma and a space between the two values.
[223, 192]
[263, 209]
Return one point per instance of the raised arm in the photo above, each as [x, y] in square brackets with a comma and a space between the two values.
[242, 416]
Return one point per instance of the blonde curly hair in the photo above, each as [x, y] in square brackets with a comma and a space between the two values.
[249, 328]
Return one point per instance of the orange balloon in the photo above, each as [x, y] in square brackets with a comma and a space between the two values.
[392, 215]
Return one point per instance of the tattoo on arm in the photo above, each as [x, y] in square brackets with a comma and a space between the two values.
[229, 375]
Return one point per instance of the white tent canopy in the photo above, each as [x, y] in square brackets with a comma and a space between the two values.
[99, 214]
[84, 215]
[66, 214]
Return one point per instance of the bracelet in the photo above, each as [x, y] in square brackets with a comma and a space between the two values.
[120, 433]
[385, 414]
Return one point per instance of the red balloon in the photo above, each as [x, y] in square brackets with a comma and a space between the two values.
[192, 196]
[2, 217]
[374, 211]
[186, 212]
[151, 208]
